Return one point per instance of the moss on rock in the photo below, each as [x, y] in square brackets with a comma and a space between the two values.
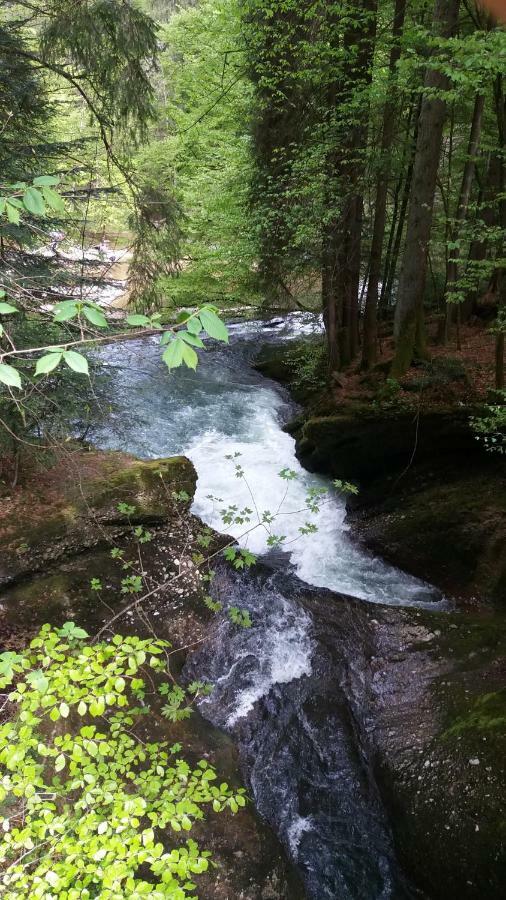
[70, 510]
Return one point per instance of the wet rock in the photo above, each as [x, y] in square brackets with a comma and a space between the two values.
[432, 723]
[431, 500]
[362, 763]
[450, 531]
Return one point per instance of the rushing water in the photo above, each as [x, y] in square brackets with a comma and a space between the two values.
[226, 408]
[276, 686]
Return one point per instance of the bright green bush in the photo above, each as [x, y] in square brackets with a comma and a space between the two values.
[89, 807]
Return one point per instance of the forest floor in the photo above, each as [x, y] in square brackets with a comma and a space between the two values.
[450, 375]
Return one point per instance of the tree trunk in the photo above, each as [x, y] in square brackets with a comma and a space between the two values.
[369, 351]
[463, 205]
[500, 105]
[398, 218]
[329, 297]
[345, 166]
[499, 361]
[409, 319]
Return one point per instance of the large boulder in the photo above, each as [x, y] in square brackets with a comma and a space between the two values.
[368, 444]
[431, 500]
[427, 698]
[75, 505]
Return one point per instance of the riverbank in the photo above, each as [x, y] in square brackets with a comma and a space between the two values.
[431, 499]
[385, 757]
[406, 705]
[67, 542]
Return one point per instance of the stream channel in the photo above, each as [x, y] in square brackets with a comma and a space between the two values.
[278, 688]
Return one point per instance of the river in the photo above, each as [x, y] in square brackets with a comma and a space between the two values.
[277, 685]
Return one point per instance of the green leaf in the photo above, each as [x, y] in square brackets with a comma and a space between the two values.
[6, 309]
[45, 180]
[138, 320]
[191, 339]
[53, 200]
[51, 877]
[59, 763]
[194, 325]
[71, 630]
[76, 361]
[64, 710]
[213, 325]
[12, 213]
[9, 375]
[64, 311]
[9, 661]
[34, 202]
[38, 681]
[173, 355]
[48, 362]
[95, 316]
[190, 358]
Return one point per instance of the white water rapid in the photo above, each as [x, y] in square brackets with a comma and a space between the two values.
[224, 409]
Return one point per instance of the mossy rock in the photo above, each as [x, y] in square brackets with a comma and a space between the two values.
[365, 444]
[68, 511]
[446, 527]
[299, 364]
[148, 486]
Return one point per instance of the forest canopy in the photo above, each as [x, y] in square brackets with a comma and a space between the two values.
[343, 156]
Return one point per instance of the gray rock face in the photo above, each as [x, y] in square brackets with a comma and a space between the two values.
[366, 765]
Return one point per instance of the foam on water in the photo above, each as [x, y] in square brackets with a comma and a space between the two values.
[285, 655]
[327, 558]
[298, 827]
[222, 409]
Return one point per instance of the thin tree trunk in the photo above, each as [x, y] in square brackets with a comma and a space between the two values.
[345, 165]
[329, 304]
[500, 105]
[487, 206]
[369, 351]
[463, 205]
[499, 361]
[399, 216]
[409, 320]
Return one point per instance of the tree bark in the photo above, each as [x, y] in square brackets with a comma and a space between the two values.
[409, 320]
[463, 205]
[370, 341]
[500, 105]
[399, 214]
[345, 165]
